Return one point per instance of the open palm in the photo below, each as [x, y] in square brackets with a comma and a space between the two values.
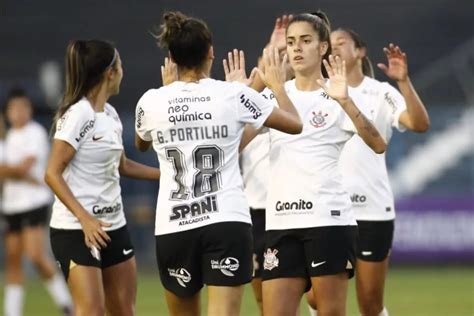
[397, 68]
[336, 69]
[278, 37]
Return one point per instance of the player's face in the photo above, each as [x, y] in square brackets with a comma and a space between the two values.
[115, 76]
[343, 46]
[304, 48]
[19, 111]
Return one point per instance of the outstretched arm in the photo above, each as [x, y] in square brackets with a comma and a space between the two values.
[132, 169]
[415, 117]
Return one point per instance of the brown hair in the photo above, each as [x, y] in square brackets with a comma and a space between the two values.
[321, 25]
[86, 62]
[188, 39]
[367, 67]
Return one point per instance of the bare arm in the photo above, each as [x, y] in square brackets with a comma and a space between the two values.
[17, 172]
[61, 155]
[140, 144]
[133, 169]
[415, 118]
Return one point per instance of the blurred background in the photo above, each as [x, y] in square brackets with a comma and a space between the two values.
[432, 174]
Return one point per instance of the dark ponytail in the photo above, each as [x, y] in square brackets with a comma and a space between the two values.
[188, 39]
[367, 68]
[86, 62]
[322, 26]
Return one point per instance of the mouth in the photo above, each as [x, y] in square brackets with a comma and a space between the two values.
[298, 58]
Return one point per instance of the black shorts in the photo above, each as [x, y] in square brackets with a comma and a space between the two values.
[218, 254]
[375, 240]
[258, 232]
[309, 252]
[36, 217]
[69, 249]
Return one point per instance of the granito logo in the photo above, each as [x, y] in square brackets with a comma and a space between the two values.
[179, 113]
[97, 210]
[140, 114]
[251, 106]
[356, 198]
[319, 119]
[181, 274]
[85, 129]
[226, 265]
[194, 212]
[288, 206]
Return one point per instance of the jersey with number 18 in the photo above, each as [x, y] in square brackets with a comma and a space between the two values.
[195, 129]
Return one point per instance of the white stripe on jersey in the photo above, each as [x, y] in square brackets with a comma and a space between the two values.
[306, 188]
[196, 130]
[365, 172]
[92, 175]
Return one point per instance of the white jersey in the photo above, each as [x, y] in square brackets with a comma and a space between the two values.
[21, 196]
[196, 130]
[255, 164]
[306, 188]
[365, 172]
[92, 174]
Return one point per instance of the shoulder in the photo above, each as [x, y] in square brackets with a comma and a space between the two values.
[37, 129]
[110, 110]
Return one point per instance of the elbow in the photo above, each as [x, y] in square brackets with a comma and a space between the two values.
[379, 147]
[297, 129]
[422, 127]
[48, 177]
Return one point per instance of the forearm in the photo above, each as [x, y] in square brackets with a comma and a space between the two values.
[13, 172]
[365, 129]
[61, 189]
[419, 120]
[133, 169]
[285, 104]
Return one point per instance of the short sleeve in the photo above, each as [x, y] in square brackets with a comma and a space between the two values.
[75, 125]
[394, 100]
[252, 107]
[38, 138]
[141, 127]
[346, 122]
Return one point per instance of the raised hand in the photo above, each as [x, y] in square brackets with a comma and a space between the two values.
[274, 75]
[169, 72]
[234, 68]
[336, 68]
[278, 37]
[397, 68]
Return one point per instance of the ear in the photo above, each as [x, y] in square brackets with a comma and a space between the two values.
[323, 48]
[210, 53]
[361, 52]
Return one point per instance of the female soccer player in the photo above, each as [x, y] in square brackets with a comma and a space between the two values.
[311, 228]
[89, 236]
[26, 201]
[365, 173]
[195, 124]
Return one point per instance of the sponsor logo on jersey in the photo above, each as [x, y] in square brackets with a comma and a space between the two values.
[100, 210]
[270, 259]
[356, 198]
[298, 205]
[271, 96]
[194, 99]
[194, 212]
[325, 95]
[251, 106]
[390, 101]
[88, 126]
[179, 113]
[226, 265]
[140, 114]
[319, 119]
[181, 274]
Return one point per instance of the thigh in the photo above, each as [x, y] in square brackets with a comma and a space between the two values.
[374, 240]
[85, 284]
[227, 254]
[120, 287]
[282, 296]
[330, 250]
[370, 280]
[33, 238]
[178, 257]
[330, 293]
[284, 256]
[183, 306]
[13, 246]
[224, 300]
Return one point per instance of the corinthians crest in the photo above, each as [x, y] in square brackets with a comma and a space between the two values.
[319, 119]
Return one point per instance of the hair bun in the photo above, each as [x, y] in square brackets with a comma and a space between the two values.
[320, 14]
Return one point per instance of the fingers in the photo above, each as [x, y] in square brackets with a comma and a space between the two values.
[226, 67]
[236, 59]
[277, 23]
[230, 58]
[383, 67]
[241, 60]
[276, 56]
[284, 60]
[253, 74]
[322, 84]
[328, 68]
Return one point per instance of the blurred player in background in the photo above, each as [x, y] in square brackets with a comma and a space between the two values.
[89, 236]
[26, 202]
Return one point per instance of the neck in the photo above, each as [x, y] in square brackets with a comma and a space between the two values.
[191, 75]
[355, 76]
[307, 81]
[98, 97]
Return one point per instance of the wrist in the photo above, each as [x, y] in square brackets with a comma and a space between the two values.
[345, 101]
[278, 90]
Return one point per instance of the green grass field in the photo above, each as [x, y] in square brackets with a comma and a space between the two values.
[446, 291]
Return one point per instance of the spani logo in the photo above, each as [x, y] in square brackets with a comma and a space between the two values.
[226, 265]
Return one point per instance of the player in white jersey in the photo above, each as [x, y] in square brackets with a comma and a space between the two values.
[311, 229]
[89, 236]
[195, 124]
[25, 205]
[364, 172]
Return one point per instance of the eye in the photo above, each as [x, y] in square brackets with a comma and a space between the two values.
[307, 41]
[289, 42]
